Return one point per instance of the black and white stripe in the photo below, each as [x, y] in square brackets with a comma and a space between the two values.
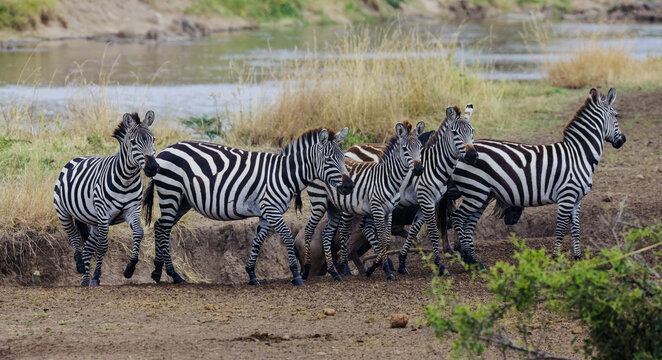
[225, 183]
[103, 191]
[376, 193]
[452, 140]
[533, 175]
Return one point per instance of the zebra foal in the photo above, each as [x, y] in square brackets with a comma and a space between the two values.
[453, 140]
[104, 191]
[224, 183]
[533, 175]
[376, 193]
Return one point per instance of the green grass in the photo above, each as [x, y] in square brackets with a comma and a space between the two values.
[25, 14]
[260, 10]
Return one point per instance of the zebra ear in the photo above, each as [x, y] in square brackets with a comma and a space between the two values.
[323, 136]
[128, 121]
[594, 95]
[149, 118]
[400, 130]
[450, 113]
[341, 135]
[611, 96]
[420, 128]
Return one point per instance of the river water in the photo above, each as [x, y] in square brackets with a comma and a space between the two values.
[184, 78]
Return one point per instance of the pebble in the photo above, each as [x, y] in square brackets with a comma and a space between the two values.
[399, 320]
[329, 311]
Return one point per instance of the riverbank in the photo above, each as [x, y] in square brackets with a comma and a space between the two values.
[138, 20]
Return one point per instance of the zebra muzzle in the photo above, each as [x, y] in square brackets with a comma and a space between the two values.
[151, 166]
[619, 142]
[346, 186]
[418, 168]
[471, 155]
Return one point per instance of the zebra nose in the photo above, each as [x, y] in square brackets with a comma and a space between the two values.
[151, 166]
[471, 156]
[347, 185]
[619, 142]
[418, 168]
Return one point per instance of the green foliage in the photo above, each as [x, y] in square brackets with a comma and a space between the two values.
[395, 3]
[24, 14]
[260, 10]
[354, 138]
[204, 126]
[613, 295]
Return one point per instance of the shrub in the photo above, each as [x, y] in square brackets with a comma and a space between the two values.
[616, 297]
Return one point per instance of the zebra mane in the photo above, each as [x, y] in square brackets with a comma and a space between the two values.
[393, 142]
[306, 137]
[434, 138]
[578, 117]
[123, 128]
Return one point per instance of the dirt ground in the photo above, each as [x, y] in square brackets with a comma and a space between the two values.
[228, 319]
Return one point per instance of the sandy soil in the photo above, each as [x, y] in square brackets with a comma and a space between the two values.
[135, 318]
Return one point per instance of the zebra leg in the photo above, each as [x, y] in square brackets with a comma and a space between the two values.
[275, 219]
[345, 223]
[387, 264]
[380, 229]
[260, 234]
[74, 236]
[317, 212]
[101, 234]
[170, 215]
[429, 215]
[413, 232]
[563, 214]
[88, 251]
[574, 231]
[134, 221]
[464, 220]
[327, 238]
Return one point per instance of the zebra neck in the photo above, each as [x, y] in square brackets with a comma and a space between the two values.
[395, 167]
[123, 171]
[440, 157]
[298, 172]
[585, 137]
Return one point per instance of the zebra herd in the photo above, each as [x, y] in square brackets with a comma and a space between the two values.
[369, 180]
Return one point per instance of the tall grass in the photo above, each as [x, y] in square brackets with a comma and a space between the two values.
[369, 82]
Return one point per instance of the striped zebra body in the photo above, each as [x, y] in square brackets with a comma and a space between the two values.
[104, 191]
[452, 140]
[224, 183]
[376, 193]
[534, 175]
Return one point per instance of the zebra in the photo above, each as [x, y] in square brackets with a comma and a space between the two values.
[533, 175]
[224, 183]
[377, 188]
[452, 141]
[104, 191]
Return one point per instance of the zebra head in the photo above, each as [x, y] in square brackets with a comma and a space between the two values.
[410, 144]
[462, 132]
[612, 133]
[331, 161]
[138, 140]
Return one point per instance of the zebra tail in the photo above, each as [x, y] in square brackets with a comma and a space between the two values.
[499, 210]
[148, 202]
[83, 230]
[298, 204]
[442, 206]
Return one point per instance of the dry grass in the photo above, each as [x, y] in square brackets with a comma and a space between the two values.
[368, 83]
[594, 65]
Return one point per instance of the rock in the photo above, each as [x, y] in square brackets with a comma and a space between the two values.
[153, 34]
[399, 320]
[329, 311]
[639, 177]
[577, 330]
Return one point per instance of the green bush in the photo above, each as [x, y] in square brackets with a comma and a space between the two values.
[615, 296]
[204, 126]
[261, 10]
[24, 14]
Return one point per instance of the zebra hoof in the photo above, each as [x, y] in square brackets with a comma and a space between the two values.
[297, 281]
[346, 269]
[129, 269]
[95, 282]
[80, 266]
[335, 275]
[444, 272]
[390, 277]
[85, 282]
[177, 279]
[254, 282]
[402, 269]
[305, 271]
[156, 276]
[390, 264]
[577, 257]
[371, 269]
